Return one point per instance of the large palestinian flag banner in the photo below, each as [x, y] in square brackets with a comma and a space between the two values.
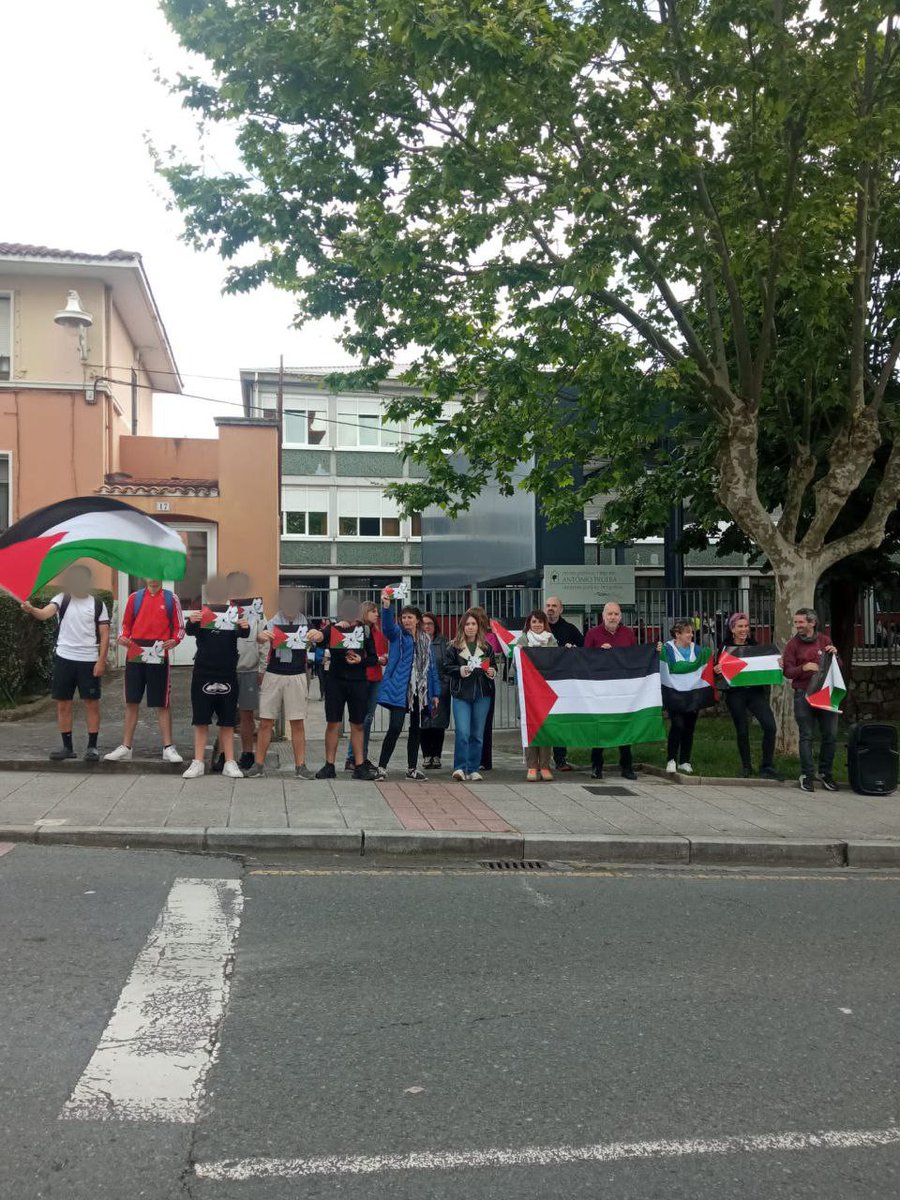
[688, 684]
[34, 550]
[751, 666]
[827, 688]
[581, 698]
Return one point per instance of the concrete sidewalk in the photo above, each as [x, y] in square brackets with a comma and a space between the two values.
[652, 820]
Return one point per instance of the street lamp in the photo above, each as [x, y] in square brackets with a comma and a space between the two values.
[74, 317]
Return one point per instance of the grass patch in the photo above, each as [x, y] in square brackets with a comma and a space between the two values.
[716, 754]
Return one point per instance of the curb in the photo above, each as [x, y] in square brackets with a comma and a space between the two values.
[600, 848]
[712, 780]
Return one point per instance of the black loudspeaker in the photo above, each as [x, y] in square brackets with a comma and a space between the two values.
[872, 759]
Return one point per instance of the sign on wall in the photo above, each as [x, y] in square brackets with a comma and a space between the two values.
[590, 586]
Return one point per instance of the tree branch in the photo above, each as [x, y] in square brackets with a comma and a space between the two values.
[886, 372]
[870, 534]
[849, 459]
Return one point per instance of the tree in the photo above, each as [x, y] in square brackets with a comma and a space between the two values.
[685, 214]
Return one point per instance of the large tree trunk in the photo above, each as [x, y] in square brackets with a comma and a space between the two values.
[795, 587]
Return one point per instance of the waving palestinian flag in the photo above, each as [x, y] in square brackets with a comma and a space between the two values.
[751, 666]
[578, 698]
[34, 550]
[505, 637]
[688, 684]
[827, 687]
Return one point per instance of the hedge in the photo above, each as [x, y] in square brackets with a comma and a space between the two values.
[26, 660]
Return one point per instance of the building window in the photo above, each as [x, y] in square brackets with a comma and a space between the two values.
[359, 423]
[305, 512]
[5, 492]
[305, 426]
[592, 529]
[415, 525]
[366, 513]
[6, 337]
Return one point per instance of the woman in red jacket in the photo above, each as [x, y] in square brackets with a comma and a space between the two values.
[369, 613]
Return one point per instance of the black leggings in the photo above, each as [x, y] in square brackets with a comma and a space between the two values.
[394, 729]
[744, 703]
[433, 742]
[681, 736]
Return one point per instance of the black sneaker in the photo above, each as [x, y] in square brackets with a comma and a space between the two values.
[412, 773]
[366, 772]
[217, 765]
[92, 754]
[629, 774]
[746, 772]
[61, 754]
[254, 771]
[829, 783]
[327, 772]
[596, 772]
[806, 783]
[770, 773]
[246, 761]
[349, 765]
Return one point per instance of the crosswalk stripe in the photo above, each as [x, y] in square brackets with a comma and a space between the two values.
[245, 1169]
[152, 1060]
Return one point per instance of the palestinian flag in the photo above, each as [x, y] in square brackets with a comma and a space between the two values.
[505, 637]
[146, 652]
[827, 687]
[688, 684]
[221, 617]
[578, 698]
[347, 639]
[34, 550]
[292, 637]
[751, 666]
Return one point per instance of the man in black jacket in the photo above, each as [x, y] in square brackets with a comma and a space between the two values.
[351, 648]
[566, 634]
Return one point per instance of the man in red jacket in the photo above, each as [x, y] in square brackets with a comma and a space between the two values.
[802, 659]
[608, 635]
[152, 625]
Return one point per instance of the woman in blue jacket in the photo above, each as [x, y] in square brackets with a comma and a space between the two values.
[410, 684]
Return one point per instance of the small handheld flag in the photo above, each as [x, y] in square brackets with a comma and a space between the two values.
[347, 639]
[505, 637]
[397, 591]
[827, 693]
[751, 666]
[289, 637]
[219, 617]
[152, 655]
[250, 609]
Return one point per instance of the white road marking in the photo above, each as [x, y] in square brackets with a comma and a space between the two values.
[161, 1040]
[244, 1169]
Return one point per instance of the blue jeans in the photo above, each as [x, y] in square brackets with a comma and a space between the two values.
[469, 717]
[374, 686]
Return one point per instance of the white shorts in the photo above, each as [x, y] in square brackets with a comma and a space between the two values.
[287, 691]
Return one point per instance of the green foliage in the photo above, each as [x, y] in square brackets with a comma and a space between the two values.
[662, 240]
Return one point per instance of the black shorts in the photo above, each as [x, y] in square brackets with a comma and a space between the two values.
[354, 693]
[152, 678]
[69, 675]
[214, 698]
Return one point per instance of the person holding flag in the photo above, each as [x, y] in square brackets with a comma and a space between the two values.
[609, 634]
[152, 625]
[369, 614]
[803, 659]
[686, 678]
[536, 634]
[351, 652]
[471, 668]
[744, 697]
[410, 684]
[283, 686]
[435, 727]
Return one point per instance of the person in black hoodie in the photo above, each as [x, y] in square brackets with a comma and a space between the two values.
[214, 683]
[347, 687]
[566, 634]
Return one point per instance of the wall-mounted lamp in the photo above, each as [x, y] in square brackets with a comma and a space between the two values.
[74, 317]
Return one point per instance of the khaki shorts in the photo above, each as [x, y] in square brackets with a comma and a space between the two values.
[286, 690]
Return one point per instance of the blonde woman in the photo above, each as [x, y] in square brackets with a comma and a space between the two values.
[471, 668]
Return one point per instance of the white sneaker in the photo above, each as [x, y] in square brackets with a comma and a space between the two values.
[475, 777]
[459, 776]
[195, 770]
[670, 767]
[120, 754]
[170, 754]
[686, 768]
[232, 771]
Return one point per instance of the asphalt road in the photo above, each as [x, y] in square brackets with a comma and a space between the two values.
[492, 1026]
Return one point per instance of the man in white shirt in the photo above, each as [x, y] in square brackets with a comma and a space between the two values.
[82, 645]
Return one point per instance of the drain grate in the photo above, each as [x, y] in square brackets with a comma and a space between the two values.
[613, 789]
[513, 864]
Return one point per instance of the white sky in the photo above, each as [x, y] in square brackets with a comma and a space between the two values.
[80, 97]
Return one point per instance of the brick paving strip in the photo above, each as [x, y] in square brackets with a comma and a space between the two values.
[441, 806]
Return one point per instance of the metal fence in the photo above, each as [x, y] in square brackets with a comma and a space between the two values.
[654, 609]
